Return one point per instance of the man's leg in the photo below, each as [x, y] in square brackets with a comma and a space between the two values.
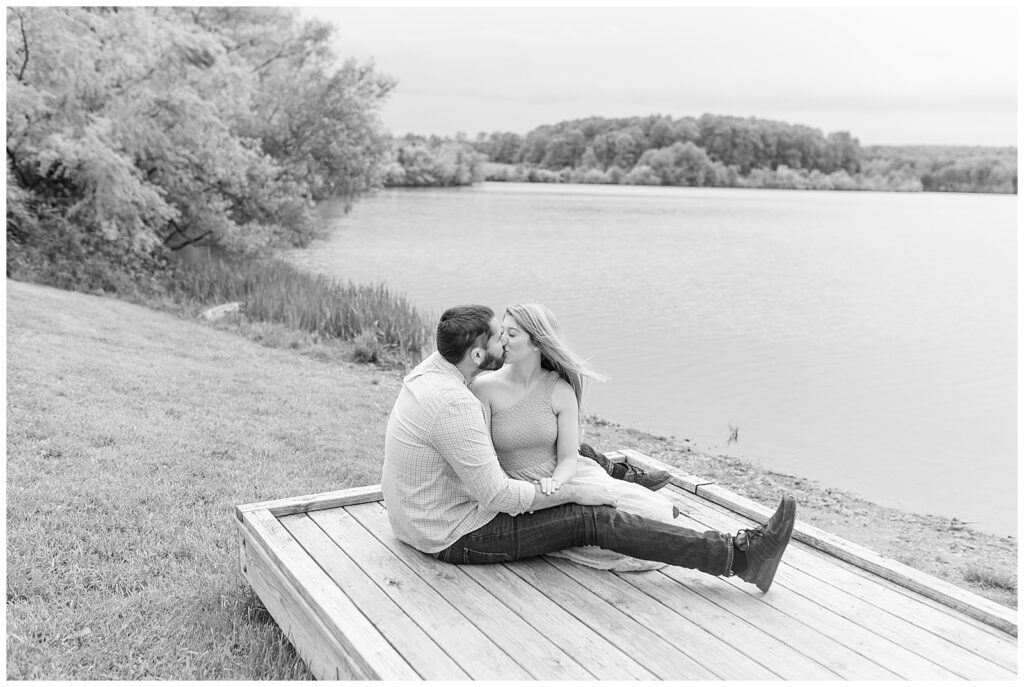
[756, 552]
[553, 529]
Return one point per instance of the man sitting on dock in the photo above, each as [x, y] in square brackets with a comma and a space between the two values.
[447, 496]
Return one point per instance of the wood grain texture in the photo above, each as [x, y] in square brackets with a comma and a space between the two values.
[409, 639]
[587, 646]
[310, 502]
[312, 640]
[367, 652]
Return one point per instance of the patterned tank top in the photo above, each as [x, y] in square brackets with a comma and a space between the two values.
[525, 433]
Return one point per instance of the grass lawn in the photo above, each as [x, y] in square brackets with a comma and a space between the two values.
[132, 434]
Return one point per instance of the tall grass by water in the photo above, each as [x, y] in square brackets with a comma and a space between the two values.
[382, 323]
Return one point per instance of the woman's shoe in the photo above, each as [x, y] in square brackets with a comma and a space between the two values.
[652, 479]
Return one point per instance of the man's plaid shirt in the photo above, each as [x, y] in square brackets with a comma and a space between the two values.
[441, 478]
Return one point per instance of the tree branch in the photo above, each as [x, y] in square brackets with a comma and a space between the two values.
[24, 41]
[186, 240]
[17, 168]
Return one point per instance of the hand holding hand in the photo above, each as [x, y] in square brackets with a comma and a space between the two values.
[549, 485]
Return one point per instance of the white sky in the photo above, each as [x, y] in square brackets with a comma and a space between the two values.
[924, 74]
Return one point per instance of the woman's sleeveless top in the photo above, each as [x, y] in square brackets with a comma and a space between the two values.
[524, 434]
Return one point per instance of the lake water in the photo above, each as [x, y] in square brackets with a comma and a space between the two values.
[863, 340]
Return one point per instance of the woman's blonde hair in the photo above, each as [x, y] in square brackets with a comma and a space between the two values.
[537, 321]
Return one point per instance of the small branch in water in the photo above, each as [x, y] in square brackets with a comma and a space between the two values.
[734, 435]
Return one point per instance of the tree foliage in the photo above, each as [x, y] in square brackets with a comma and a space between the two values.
[419, 161]
[146, 129]
[718, 150]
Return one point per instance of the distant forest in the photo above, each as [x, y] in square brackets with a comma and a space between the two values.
[712, 150]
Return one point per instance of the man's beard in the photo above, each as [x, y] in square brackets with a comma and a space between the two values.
[491, 362]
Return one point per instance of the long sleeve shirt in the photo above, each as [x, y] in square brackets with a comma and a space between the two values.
[441, 477]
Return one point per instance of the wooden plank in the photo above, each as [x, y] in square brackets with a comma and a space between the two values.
[950, 656]
[415, 645]
[855, 576]
[312, 641]
[834, 655]
[940, 620]
[645, 644]
[591, 649]
[887, 654]
[369, 654]
[976, 606]
[310, 502]
[764, 643]
[456, 614]
[518, 637]
[933, 649]
[686, 631]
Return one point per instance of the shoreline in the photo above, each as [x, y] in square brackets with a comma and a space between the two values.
[714, 456]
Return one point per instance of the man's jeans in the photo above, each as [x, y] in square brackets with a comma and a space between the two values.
[508, 538]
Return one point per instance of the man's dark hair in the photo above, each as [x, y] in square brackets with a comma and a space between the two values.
[460, 328]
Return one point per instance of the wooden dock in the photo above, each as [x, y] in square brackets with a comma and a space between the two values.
[357, 604]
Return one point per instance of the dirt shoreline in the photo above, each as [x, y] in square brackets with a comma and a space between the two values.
[947, 548]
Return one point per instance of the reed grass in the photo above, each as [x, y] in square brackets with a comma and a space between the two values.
[272, 290]
[989, 578]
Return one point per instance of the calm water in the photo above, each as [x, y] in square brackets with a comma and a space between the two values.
[863, 340]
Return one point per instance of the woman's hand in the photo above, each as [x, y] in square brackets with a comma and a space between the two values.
[549, 485]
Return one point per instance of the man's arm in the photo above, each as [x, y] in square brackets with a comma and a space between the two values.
[583, 494]
[463, 440]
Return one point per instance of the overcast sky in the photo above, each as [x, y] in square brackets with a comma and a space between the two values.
[910, 75]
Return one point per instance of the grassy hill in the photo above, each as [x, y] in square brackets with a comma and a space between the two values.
[132, 434]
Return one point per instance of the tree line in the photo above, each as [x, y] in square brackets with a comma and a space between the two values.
[135, 131]
[718, 150]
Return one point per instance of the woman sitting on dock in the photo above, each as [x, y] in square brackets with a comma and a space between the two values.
[532, 405]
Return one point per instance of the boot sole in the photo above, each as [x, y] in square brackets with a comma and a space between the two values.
[767, 573]
[658, 485]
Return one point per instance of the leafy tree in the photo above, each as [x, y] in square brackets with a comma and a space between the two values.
[146, 129]
[627, 149]
[415, 161]
[564, 149]
[315, 117]
[681, 164]
[499, 147]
